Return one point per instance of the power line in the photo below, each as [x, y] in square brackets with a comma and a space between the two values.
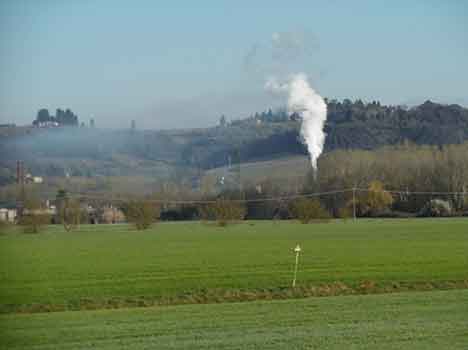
[196, 201]
[268, 199]
[406, 192]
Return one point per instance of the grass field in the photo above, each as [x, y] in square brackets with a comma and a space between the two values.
[275, 169]
[417, 320]
[100, 263]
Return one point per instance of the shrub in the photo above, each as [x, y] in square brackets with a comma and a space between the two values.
[33, 217]
[4, 226]
[70, 214]
[374, 201]
[377, 198]
[436, 207]
[224, 211]
[33, 222]
[182, 212]
[142, 213]
[307, 210]
[345, 213]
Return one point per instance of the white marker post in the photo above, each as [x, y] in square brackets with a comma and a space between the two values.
[297, 250]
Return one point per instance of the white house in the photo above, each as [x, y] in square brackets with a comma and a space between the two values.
[7, 214]
[37, 179]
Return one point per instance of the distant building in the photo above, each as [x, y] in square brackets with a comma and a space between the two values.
[112, 215]
[259, 189]
[8, 215]
[33, 179]
[37, 179]
[41, 211]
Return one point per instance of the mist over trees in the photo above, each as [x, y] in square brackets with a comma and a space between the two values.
[350, 125]
[420, 149]
[271, 133]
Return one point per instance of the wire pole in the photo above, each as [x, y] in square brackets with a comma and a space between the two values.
[354, 203]
[239, 172]
[20, 199]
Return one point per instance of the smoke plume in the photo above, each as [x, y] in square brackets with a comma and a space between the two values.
[303, 100]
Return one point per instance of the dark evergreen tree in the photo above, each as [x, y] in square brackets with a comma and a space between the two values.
[222, 121]
[43, 115]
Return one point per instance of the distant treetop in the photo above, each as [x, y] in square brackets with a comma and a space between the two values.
[61, 118]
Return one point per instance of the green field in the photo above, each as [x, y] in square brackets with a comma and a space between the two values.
[273, 169]
[102, 263]
[417, 320]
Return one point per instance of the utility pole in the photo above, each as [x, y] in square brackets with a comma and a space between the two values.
[239, 179]
[354, 203]
[20, 188]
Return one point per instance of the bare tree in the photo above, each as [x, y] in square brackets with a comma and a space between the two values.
[224, 211]
[34, 218]
[308, 210]
[142, 213]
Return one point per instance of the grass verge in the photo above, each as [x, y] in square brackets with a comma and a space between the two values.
[239, 295]
[417, 321]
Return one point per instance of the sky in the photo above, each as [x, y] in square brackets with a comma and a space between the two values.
[182, 64]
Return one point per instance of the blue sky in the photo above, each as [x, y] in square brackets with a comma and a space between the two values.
[170, 64]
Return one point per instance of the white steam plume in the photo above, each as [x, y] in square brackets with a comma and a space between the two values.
[303, 100]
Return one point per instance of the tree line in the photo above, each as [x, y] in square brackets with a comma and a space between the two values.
[395, 180]
[350, 125]
[398, 181]
[62, 117]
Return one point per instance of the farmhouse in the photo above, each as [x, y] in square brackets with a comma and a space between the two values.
[8, 215]
[112, 215]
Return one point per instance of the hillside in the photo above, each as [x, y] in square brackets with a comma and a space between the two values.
[170, 154]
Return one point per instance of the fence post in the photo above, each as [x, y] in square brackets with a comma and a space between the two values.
[297, 250]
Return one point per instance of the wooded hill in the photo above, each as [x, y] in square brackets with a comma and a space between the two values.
[262, 136]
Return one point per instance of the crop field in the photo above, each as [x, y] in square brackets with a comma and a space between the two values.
[113, 287]
[116, 266]
[416, 320]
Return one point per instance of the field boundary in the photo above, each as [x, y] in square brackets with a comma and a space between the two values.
[213, 296]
